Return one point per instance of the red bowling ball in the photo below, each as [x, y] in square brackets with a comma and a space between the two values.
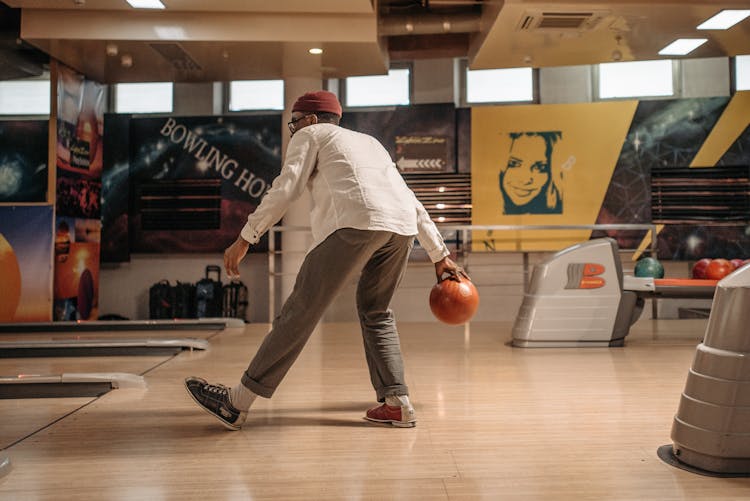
[699, 268]
[454, 300]
[737, 263]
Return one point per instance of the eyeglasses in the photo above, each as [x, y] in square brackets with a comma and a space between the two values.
[293, 124]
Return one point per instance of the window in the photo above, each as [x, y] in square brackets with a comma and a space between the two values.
[256, 95]
[385, 90]
[153, 97]
[636, 79]
[498, 86]
[25, 97]
[742, 72]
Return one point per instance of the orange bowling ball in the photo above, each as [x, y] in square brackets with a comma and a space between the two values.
[10, 293]
[718, 269]
[454, 300]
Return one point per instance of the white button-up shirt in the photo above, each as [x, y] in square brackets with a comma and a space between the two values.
[354, 184]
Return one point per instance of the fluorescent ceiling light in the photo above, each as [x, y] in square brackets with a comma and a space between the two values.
[724, 20]
[682, 46]
[146, 4]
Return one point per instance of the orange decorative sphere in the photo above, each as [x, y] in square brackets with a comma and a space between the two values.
[454, 300]
[10, 291]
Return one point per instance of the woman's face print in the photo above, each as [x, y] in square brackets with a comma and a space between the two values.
[527, 171]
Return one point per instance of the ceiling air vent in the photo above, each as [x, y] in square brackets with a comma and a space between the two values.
[526, 23]
[176, 56]
[578, 21]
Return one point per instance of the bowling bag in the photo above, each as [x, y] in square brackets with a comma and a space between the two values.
[235, 300]
[208, 295]
[184, 300]
[160, 300]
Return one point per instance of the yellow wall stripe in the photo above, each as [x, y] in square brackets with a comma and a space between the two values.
[646, 242]
[728, 128]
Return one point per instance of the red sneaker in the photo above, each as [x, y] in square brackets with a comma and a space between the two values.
[402, 417]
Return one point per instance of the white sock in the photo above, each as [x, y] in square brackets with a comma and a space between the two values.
[241, 397]
[397, 400]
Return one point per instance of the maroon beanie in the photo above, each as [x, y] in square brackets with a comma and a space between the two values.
[321, 100]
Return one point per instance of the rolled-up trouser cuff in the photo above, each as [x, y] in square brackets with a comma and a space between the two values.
[396, 391]
[255, 387]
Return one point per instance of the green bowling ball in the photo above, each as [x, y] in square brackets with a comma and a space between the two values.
[649, 267]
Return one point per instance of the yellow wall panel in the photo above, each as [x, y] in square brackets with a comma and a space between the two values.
[543, 165]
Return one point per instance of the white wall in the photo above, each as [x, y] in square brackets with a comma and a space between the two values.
[707, 77]
[565, 84]
[123, 287]
[433, 81]
[194, 99]
[499, 277]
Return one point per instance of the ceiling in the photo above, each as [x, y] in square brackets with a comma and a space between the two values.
[220, 40]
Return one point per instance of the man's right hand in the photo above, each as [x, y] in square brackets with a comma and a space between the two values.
[233, 255]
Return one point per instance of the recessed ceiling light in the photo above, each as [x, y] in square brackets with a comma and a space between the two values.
[682, 46]
[316, 50]
[724, 20]
[146, 4]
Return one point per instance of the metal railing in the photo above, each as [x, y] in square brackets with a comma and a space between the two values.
[463, 247]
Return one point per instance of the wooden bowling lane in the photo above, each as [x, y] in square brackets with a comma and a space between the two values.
[494, 422]
[160, 434]
[22, 417]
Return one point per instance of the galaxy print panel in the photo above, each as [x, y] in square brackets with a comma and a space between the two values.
[23, 161]
[194, 180]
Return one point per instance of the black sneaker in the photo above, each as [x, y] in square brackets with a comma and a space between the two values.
[214, 399]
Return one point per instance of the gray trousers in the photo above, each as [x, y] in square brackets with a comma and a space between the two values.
[380, 258]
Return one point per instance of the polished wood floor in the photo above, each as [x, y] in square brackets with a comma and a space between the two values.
[494, 422]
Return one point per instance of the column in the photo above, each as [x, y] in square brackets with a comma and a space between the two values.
[301, 74]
